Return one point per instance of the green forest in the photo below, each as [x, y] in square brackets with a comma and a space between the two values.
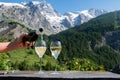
[92, 46]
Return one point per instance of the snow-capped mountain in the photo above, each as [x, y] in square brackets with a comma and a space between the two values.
[79, 17]
[37, 14]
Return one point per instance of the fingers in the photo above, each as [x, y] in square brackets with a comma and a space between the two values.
[23, 41]
[32, 43]
[28, 44]
[23, 36]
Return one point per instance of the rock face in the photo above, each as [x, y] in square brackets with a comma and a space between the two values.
[27, 14]
[36, 14]
[113, 39]
[11, 29]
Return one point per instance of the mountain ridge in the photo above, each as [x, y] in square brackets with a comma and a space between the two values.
[37, 14]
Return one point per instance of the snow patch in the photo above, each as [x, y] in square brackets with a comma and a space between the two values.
[12, 4]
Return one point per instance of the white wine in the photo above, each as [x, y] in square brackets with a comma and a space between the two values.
[40, 51]
[55, 51]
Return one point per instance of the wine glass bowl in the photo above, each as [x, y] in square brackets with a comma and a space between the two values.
[55, 48]
[40, 48]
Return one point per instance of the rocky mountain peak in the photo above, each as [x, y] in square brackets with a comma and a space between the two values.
[96, 12]
[37, 14]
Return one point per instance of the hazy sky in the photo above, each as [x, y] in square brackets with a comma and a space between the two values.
[63, 6]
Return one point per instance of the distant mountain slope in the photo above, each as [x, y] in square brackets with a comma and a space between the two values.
[97, 39]
[79, 17]
[28, 14]
[37, 14]
[11, 29]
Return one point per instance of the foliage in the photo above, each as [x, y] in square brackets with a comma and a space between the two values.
[84, 65]
[107, 57]
[5, 39]
[5, 62]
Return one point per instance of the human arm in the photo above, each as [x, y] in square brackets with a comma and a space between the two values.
[18, 43]
[7, 46]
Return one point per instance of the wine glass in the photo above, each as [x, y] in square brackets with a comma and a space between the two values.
[40, 48]
[55, 48]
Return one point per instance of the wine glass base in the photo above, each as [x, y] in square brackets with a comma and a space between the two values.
[39, 72]
[55, 72]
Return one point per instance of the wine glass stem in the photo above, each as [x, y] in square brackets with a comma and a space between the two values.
[56, 65]
[40, 64]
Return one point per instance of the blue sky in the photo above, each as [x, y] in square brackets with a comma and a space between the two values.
[63, 6]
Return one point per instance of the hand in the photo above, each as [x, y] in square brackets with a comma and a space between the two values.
[23, 43]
